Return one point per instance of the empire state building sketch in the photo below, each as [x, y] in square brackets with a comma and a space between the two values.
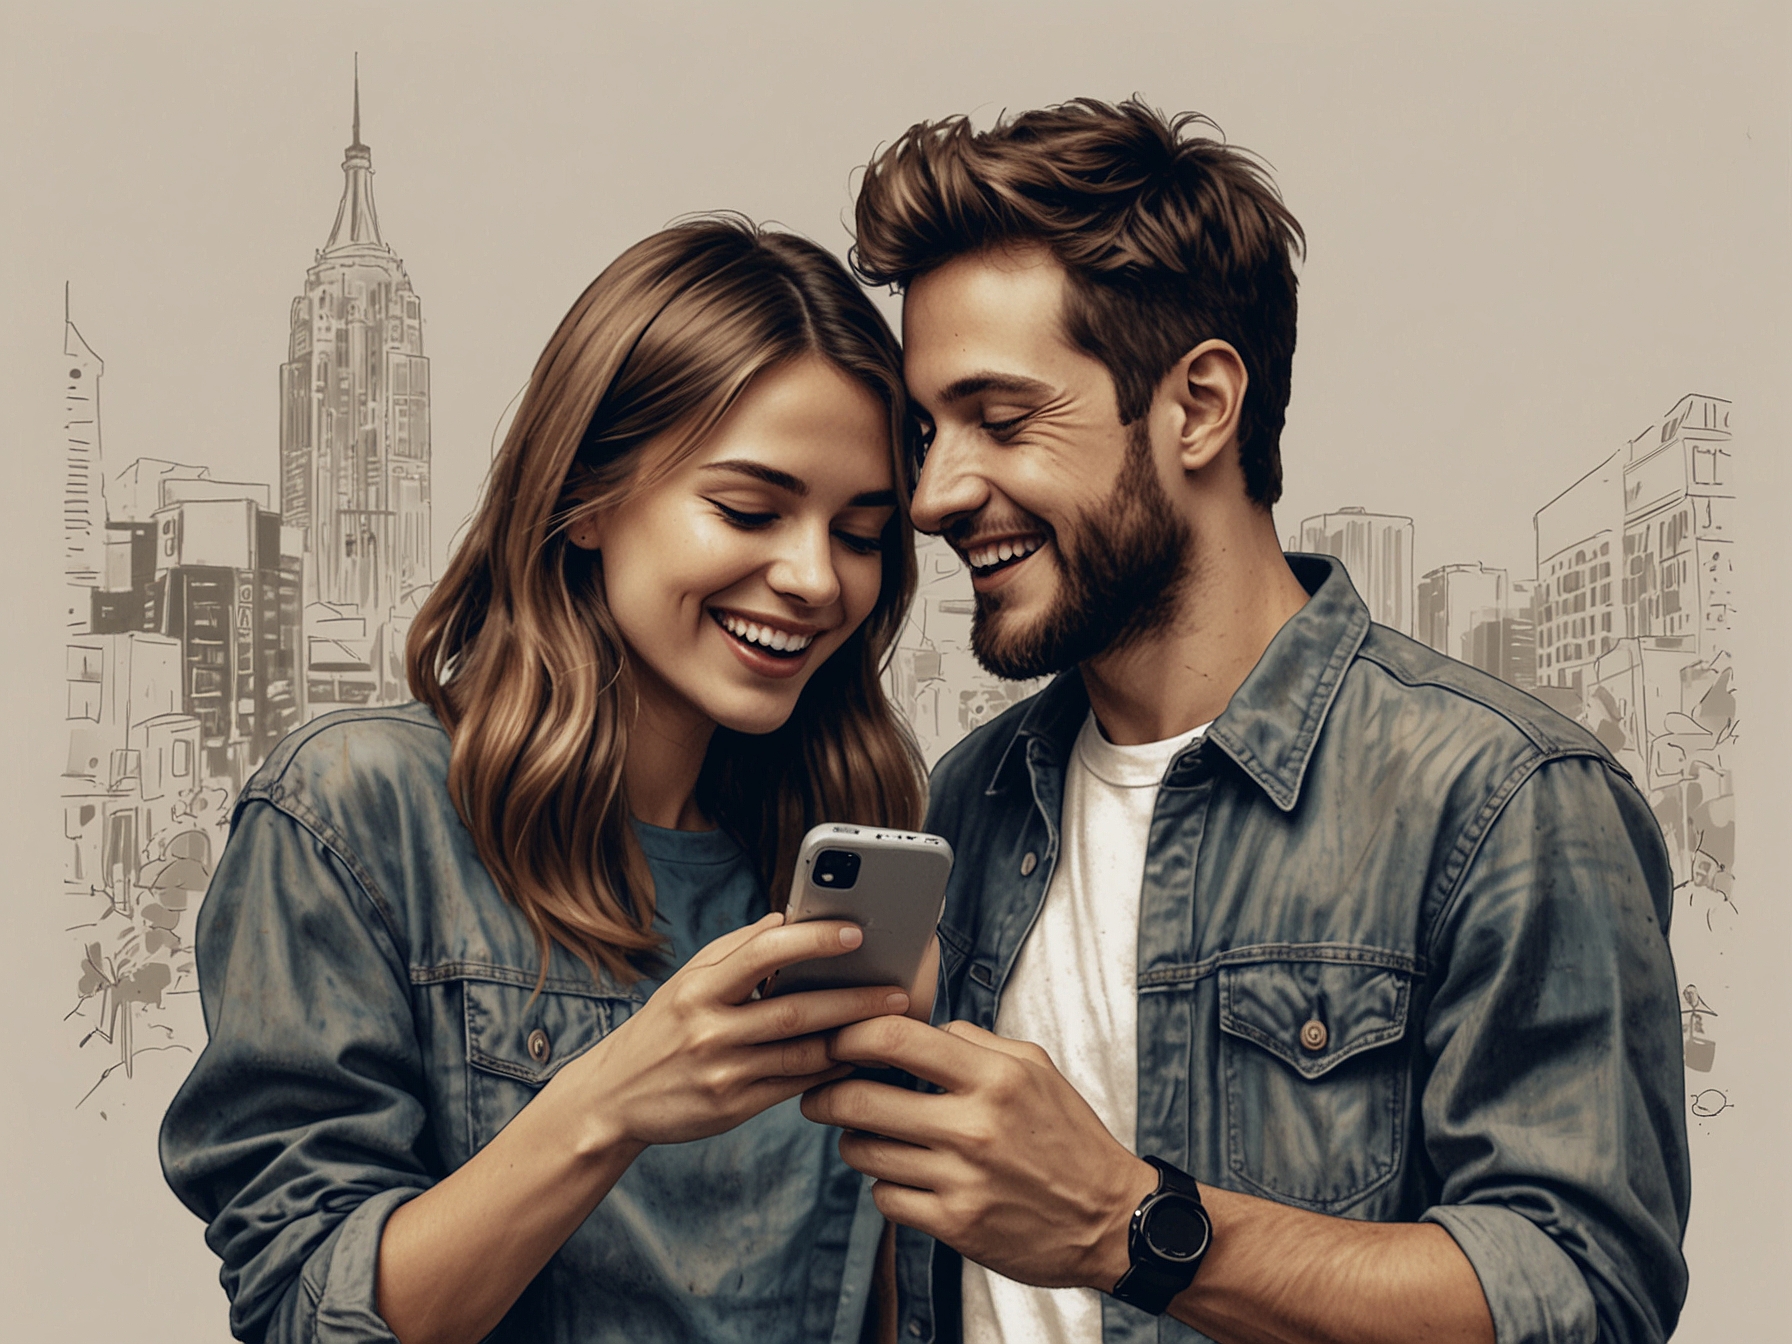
[354, 413]
[207, 618]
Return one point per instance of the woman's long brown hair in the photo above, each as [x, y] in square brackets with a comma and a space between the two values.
[516, 651]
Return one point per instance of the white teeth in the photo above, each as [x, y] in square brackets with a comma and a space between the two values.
[781, 641]
[985, 556]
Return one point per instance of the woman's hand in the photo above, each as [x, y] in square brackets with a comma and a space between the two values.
[700, 1057]
[703, 1055]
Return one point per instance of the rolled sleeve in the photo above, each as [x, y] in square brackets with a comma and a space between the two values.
[1554, 1110]
[302, 1125]
[1534, 1290]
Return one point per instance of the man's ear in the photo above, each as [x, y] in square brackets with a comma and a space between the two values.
[1207, 387]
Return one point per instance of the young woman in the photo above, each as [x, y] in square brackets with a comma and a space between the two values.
[485, 1054]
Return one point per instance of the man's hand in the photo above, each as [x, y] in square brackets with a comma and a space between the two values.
[1009, 1166]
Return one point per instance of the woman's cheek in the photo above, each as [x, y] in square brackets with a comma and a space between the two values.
[867, 581]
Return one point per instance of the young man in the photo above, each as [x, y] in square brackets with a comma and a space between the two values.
[1298, 981]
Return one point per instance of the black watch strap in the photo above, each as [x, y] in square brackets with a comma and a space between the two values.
[1155, 1278]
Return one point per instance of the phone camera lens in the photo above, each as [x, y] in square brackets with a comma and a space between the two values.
[836, 868]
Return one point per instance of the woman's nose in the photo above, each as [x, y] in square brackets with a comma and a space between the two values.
[804, 570]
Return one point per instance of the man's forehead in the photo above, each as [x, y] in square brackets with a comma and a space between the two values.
[997, 310]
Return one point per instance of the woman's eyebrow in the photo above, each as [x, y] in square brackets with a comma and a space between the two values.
[796, 485]
[760, 472]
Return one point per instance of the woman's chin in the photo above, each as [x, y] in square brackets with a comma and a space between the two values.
[754, 720]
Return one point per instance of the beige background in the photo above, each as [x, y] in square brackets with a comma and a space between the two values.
[1533, 228]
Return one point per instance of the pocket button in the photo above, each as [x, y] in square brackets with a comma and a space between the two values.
[540, 1049]
[1314, 1035]
[1028, 864]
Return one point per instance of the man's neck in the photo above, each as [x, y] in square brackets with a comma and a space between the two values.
[1239, 593]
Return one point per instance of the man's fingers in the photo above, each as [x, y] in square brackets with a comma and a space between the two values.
[976, 1035]
[895, 1112]
[801, 1014]
[769, 1092]
[919, 1209]
[943, 1059]
[885, 1159]
[791, 1059]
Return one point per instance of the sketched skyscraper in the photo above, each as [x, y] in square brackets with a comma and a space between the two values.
[1376, 549]
[354, 422]
[83, 486]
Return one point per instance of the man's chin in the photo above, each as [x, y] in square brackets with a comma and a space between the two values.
[1010, 648]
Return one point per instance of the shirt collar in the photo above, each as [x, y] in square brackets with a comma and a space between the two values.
[1271, 724]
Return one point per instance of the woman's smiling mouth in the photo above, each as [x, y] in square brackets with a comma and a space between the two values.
[762, 637]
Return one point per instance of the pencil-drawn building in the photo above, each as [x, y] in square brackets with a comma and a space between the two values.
[83, 484]
[934, 676]
[134, 493]
[354, 419]
[1579, 540]
[228, 587]
[117, 684]
[1634, 612]
[1376, 549]
[1678, 497]
[1452, 600]
[1481, 616]
[200, 614]
[1507, 645]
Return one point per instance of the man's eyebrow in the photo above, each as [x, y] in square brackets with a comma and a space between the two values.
[974, 384]
[874, 499]
[760, 472]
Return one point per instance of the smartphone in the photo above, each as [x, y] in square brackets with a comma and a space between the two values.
[892, 884]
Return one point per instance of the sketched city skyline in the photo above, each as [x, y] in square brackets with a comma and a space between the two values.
[208, 617]
[205, 622]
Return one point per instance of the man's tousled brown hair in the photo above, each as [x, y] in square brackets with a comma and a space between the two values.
[1170, 238]
[516, 650]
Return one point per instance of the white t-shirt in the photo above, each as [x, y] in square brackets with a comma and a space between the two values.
[1074, 991]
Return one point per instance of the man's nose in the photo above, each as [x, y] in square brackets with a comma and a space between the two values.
[951, 483]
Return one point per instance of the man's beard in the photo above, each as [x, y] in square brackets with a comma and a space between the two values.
[1121, 572]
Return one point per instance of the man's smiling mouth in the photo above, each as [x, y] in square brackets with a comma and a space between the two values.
[991, 556]
[761, 637]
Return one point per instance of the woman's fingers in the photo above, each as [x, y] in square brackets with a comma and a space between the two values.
[718, 950]
[786, 1015]
[771, 949]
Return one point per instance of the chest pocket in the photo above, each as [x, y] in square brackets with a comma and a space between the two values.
[517, 1040]
[1316, 1086]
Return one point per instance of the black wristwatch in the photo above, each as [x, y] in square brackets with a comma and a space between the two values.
[1170, 1234]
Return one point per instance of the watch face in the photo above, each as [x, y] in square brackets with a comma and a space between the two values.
[1176, 1229]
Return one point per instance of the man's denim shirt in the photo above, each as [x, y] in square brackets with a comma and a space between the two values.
[1459, 885]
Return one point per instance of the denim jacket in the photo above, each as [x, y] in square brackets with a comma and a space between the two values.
[1460, 887]
[370, 999]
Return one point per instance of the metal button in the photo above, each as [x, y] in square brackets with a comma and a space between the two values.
[539, 1049]
[1314, 1035]
[1028, 864]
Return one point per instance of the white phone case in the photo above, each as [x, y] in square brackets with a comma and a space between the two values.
[897, 898]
